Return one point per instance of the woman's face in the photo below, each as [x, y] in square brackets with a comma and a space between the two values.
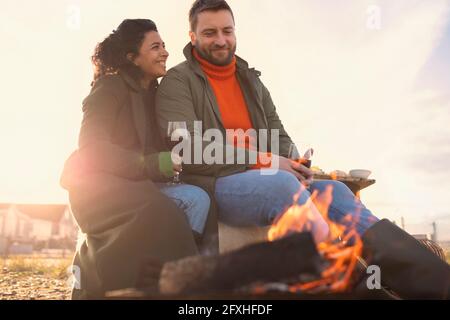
[152, 56]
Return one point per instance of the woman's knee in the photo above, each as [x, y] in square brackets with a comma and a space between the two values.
[200, 201]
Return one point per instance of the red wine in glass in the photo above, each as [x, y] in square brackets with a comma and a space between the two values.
[293, 154]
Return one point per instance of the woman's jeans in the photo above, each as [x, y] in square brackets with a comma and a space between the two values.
[193, 200]
[250, 198]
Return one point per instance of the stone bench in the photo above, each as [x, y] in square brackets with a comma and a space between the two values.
[232, 238]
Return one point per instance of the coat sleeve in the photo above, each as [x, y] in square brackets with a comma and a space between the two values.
[274, 122]
[95, 147]
[174, 102]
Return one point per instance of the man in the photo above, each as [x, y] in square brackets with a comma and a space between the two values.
[218, 88]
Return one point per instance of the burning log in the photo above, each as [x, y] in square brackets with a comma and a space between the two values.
[291, 259]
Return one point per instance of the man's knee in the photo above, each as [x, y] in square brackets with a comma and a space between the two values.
[284, 189]
[336, 186]
[286, 181]
[339, 185]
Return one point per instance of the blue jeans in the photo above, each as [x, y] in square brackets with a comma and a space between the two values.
[249, 199]
[194, 201]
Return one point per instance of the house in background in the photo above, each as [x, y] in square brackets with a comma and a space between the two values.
[36, 226]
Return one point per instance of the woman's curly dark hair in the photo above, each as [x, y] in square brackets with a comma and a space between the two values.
[110, 55]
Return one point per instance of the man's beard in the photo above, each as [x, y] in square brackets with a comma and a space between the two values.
[207, 55]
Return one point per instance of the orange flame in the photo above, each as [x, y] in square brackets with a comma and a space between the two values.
[341, 256]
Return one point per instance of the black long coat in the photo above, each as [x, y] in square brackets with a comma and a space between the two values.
[113, 199]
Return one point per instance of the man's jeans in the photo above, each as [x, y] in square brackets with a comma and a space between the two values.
[193, 200]
[250, 198]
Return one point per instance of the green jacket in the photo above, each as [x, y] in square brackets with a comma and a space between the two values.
[185, 95]
[126, 219]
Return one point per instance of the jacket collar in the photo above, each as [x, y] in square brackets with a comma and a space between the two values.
[241, 64]
[133, 84]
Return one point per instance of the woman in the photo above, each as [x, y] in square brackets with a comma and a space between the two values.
[117, 179]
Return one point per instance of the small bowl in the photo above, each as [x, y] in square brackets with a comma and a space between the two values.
[360, 173]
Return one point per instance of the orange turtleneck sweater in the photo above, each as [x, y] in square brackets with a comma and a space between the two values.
[232, 106]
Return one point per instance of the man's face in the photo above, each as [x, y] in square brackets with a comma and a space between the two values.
[214, 37]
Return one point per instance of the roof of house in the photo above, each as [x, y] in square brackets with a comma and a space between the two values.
[50, 212]
[4, 205]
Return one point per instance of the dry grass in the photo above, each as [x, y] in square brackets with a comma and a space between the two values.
[34, 277]
[53, 267]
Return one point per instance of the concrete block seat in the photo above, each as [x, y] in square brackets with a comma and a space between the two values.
[232, 238]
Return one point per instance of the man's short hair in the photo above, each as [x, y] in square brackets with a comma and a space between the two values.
[206, 5]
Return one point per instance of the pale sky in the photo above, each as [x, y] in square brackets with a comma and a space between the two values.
[362, 96]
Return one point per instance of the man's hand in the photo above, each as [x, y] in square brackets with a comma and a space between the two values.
[303, 174]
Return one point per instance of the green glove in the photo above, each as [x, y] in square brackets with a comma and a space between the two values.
[165, 164]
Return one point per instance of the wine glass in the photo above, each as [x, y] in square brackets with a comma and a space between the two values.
[175, 131]
[294, 154]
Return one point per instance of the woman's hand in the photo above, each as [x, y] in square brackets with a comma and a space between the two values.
[177, 163]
